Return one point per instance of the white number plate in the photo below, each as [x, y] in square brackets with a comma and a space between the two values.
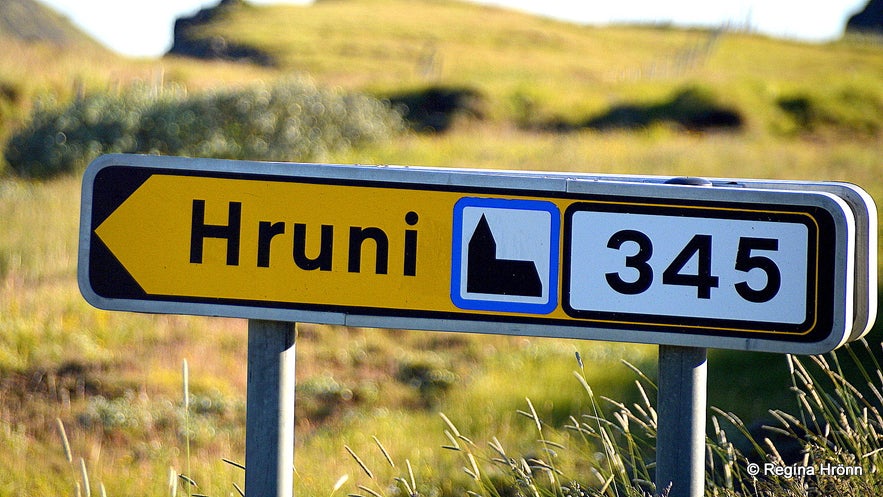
[732, 269]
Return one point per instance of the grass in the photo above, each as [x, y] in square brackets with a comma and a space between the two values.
[607, 447]
[114, 379]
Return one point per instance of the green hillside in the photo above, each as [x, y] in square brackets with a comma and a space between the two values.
[481, 87]
[29, 21]
[537, 69]
[34, 35]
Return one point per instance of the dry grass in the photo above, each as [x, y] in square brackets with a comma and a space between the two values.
[829, 445]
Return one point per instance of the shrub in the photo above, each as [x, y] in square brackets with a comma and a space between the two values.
[322, 396]
[435, 109]
[428, 375]
[692, 108]
[290, 121]
[141, 416]
[848, 111]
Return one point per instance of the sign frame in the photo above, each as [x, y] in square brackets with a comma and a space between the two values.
[475, 182]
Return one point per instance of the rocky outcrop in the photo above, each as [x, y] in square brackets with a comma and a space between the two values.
[189, 39]
[869, 20]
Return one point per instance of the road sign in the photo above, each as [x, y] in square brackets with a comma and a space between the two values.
[463, 250]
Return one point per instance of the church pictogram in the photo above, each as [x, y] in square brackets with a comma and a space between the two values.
[505, 255]
[488, 274]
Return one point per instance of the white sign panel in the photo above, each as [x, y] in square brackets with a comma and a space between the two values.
[698, 267]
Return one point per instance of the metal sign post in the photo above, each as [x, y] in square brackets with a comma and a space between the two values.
[269, 410]
[680, 437]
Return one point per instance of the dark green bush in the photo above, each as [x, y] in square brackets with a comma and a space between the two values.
[288, 121]
[428, 375]
[692, 108]
[846, 111]
[434, 109]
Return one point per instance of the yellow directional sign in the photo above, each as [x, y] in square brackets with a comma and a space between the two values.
[463, 250]
[284, 242]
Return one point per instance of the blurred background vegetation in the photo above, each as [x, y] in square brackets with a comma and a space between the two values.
[436, 83]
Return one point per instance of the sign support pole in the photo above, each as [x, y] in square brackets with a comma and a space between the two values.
[269, 423]
[680, 437]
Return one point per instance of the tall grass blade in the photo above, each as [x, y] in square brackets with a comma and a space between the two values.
[475, 473]
[451, 426]
[411, 475]
[360, 462]
[339, 483]
[372, 492]
[173, 482]
[64, 441]
[187, 480]
[385, 453]
[640, 374]
[84, 474]
[234, 464]
[533, 415]
[185, 373]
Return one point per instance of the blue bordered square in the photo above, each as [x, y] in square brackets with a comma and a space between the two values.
[495, 243]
